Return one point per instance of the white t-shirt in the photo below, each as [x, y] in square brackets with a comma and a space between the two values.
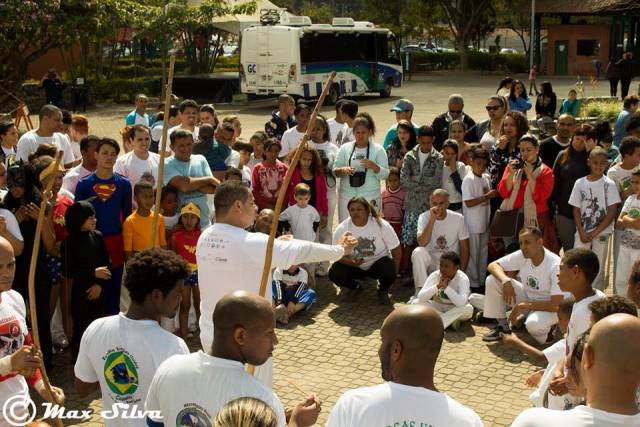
[374, 240]
[580, 320]
[446, 233]
[330, 150]
[134, 168]
[421, 158]
[171, 221]
[337, 131]
[75, 148]
[456, 294]
[488, 141]
[12, 223]
[477, 217]
[231, 259]
[359, 154]
[580, 416]
[392, 404]
[301, 221]
[539, 282]
[73, 175]
[622, 177]
[13, 330]
[593, 198]
[233, 159]
[631, 236]
[246, 176]
[190, 390]
[123, 355]
[447, 182]
[30, 141]
[290, 140]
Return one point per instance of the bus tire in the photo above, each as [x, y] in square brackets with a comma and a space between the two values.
[386, 92]
[333, 95]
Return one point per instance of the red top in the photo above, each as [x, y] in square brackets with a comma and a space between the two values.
[322, 203]
[59, 209]
[541, 193]
[392, 203]
[266, 182]
[185, 244]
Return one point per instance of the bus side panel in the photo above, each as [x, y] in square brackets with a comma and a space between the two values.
[389, 72]
[352, 77]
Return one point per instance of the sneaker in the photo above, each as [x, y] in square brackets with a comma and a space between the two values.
[383, 297]
[496, 333]
[282, 315]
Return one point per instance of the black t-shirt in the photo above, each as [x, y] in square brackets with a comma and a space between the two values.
[312, 185]
[53, 89]
[549, 149]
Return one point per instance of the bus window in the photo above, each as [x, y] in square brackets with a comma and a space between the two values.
[393, 51]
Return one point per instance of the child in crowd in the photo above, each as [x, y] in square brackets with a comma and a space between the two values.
[257, 141]
[447, 291]
[309, 171]
[292, 137]
[303, 220]
[612, 151]
[183, 241]
[125, 134]
[207, 115]
[571, 105]
[169, 208]
[453, 172]
[267, 176]
[291, 294]
[233, 174]
[457, 131]
[393, 206]
[214, 151]
[595, 202]
[264, 221]
[629, 227]
[245, 150]
[136, 230]
[234, 121]
[476, 193]
[282, 118]
[86, 265]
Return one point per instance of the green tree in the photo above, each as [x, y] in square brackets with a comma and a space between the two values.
[319, 14]
[516, 16]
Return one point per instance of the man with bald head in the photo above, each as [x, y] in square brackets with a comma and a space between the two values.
[193, 388]
[411, 340]
[18, 365]
[609, 371]
[550, 147]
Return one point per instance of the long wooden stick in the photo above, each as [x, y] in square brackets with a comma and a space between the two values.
[266, 269]
[32, 280]
[163, 148]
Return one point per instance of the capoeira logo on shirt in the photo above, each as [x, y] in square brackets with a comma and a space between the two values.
[120, 373]
[593, 213]
[11, 338]
[366, 248]
[533, 282]
[104, 191]
[441, 244]
[193, 416]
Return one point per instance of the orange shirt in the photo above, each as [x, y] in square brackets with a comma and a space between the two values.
[136, 232]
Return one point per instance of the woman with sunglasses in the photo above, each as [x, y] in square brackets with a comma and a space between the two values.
[488, 131]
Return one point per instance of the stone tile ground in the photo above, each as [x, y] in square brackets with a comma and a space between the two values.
[334, 347]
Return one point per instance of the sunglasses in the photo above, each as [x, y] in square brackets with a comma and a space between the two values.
[455, 111]
[493, 107]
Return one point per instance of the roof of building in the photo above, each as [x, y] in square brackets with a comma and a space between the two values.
[587, 7]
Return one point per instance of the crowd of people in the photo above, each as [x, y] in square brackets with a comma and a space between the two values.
[487, 221]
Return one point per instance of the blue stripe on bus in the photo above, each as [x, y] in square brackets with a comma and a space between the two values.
[305, 89]
[318, 88]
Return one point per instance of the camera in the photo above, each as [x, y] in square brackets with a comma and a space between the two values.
[519, 164]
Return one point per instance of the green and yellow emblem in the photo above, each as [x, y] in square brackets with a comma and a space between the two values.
[120, 373]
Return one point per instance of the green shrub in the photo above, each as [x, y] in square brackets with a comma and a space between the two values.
[602, 109]
[120, 90]
[511, 63]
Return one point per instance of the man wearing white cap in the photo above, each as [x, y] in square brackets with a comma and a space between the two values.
[404, 110]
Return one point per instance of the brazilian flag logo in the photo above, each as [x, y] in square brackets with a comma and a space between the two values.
[121, 374]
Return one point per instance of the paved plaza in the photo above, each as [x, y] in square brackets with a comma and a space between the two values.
[334, 347]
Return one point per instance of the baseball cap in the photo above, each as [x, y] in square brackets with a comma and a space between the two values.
[190, 208]
[402, 105]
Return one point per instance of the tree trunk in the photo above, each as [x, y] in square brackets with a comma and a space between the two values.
[464, 57]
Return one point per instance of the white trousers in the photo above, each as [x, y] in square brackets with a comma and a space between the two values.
[343, 201]
[423, 263]
[451, 314]
[478, 251]
[538, 323]
[325, 235]
[600, 246]
[626, 257]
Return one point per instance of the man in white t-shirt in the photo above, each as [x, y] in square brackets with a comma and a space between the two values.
[411, 337]
[188, 117]
[230, 258]
[439, 230]
[140, 162]
[191, 389]
[292, 137]
[120, 354]
[610, 372]
[48, 132]
[88, 148]
[536, 296]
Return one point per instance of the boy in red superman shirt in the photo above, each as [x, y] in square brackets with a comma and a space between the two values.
[110, 195]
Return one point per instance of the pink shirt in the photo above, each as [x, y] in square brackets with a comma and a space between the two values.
[392, 202]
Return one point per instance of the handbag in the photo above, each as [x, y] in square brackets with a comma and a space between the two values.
[358, 178]
[506, 223]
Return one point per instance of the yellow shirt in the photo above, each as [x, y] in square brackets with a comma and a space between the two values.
[136, 232]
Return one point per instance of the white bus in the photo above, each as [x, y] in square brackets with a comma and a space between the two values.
[297, 58]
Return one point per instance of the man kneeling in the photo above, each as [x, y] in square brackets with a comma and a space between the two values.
[447, 291]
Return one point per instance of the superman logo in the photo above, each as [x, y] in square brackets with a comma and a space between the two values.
[104, 191]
